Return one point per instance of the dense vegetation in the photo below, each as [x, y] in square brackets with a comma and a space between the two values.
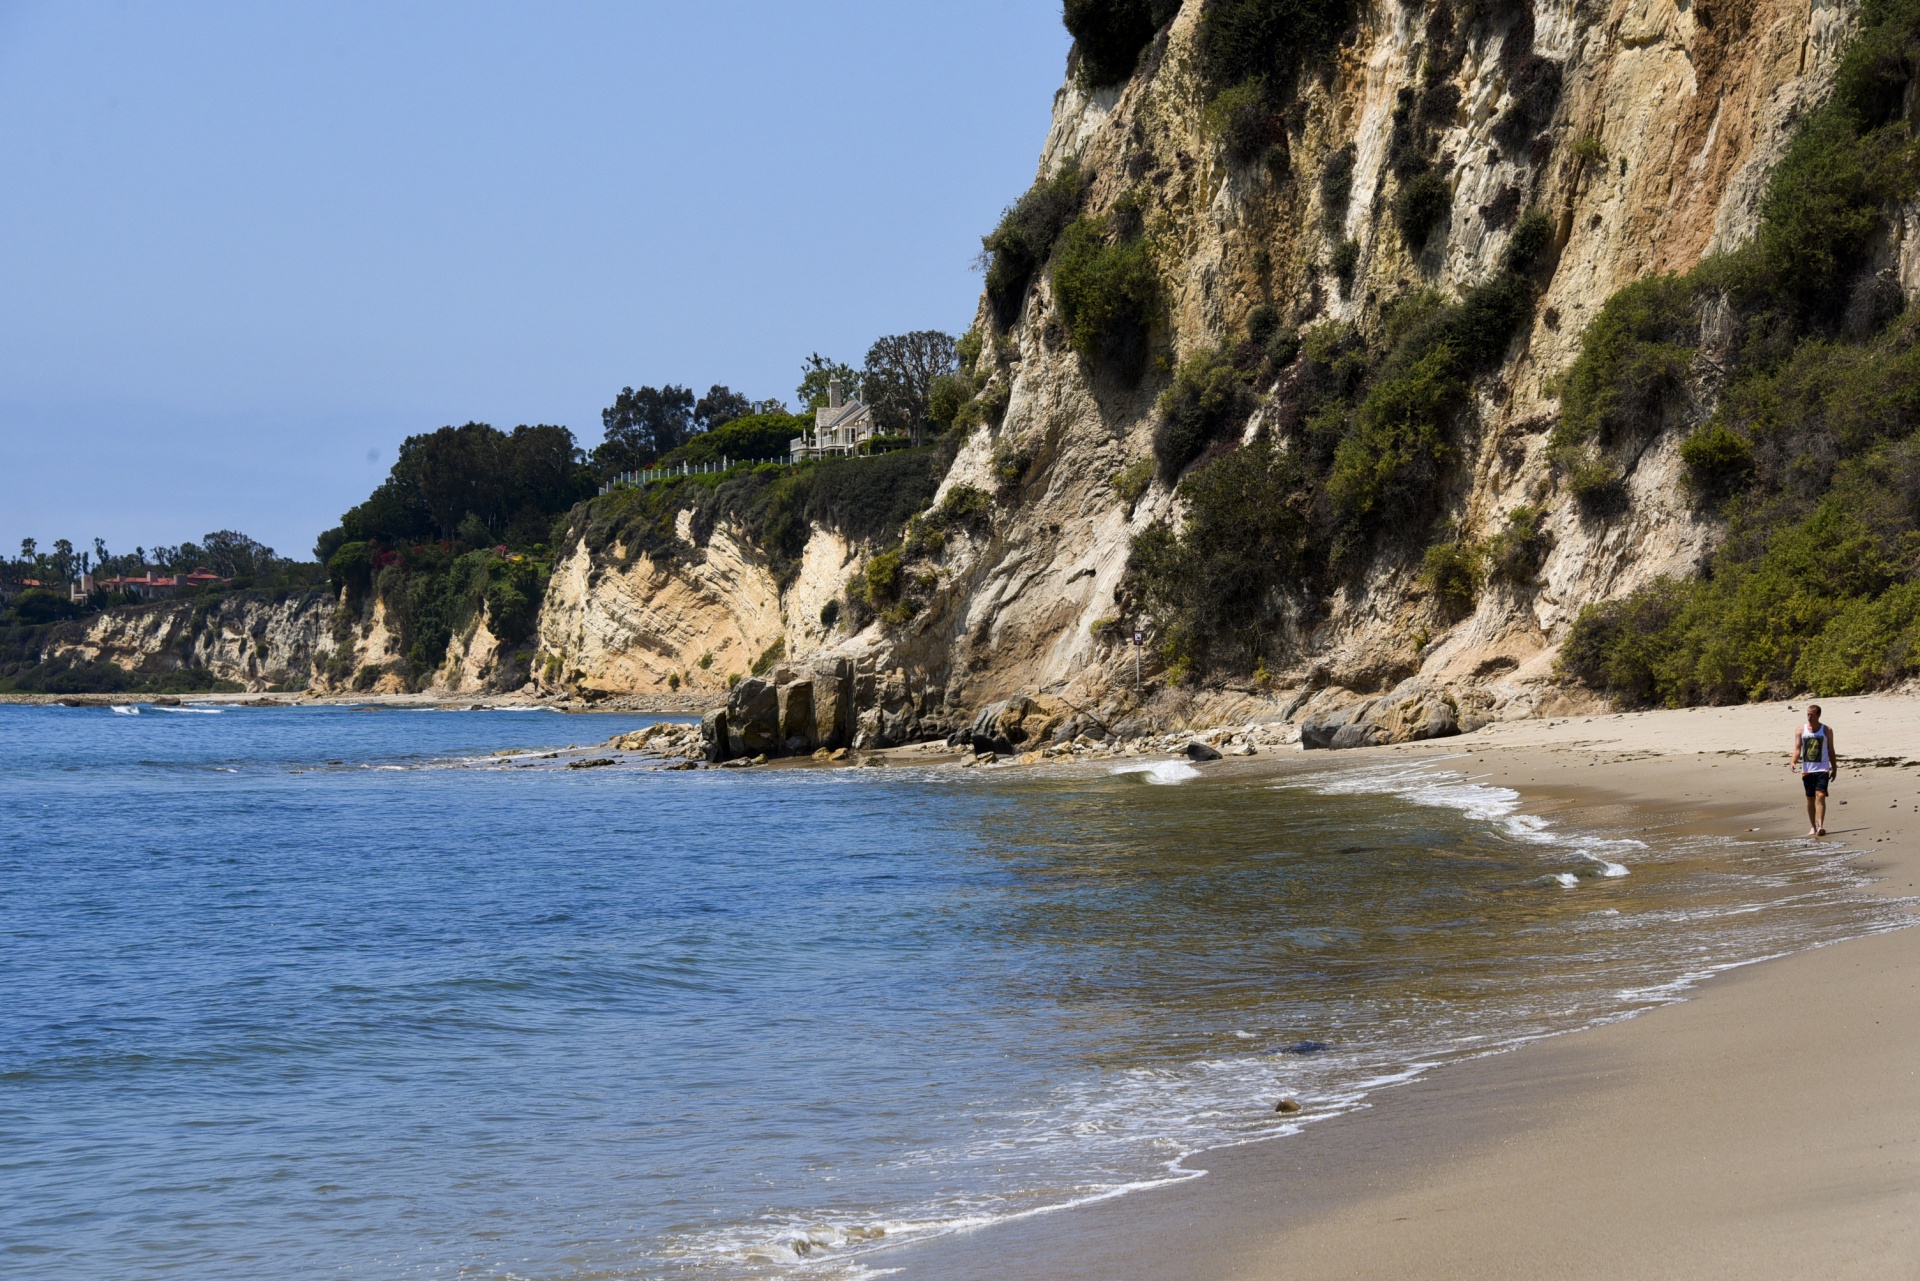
[868, 499]
[1370, 427]
[1024, 241]
[642, 427]
[1810, 452]
[754, 438]
[1108, 290]
[1109, 35]
[1251, 53]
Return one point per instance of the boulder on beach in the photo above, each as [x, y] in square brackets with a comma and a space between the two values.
[831, 695]
[796, 716]
[1412, 711]
[1015, 724]
[753, 718]
[713, 734]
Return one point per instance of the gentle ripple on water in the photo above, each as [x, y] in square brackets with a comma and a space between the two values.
[313, 993]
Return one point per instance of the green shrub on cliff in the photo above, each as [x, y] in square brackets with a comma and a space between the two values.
[1023, 242]
[1109, 35]
[1251, 52]
[1249, 124]
[1207, 400]
[1336, 190]
[1267, 40]
[1518, 551]
[1218, 585]
[1421, 204]
[1399, 442]
[1108, 293]
[1400, 437]
[1811, 454]
[1633, 363]
[1453, 572]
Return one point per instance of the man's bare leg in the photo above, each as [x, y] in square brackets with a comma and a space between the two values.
[1813, 819]
[1820, 823]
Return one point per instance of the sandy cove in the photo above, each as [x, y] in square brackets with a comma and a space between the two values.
[1766, 1127]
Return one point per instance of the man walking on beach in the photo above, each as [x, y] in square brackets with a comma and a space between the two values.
[1815, 760]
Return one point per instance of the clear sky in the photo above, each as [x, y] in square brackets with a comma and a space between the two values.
[245, 248]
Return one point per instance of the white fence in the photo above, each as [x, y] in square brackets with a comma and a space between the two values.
[641, 478]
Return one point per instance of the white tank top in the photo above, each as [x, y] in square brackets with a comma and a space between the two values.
[1816, 751]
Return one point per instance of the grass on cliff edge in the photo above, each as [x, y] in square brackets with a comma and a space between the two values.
[1809, 453]
[863, 499]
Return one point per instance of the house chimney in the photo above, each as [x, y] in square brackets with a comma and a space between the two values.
[836, 394]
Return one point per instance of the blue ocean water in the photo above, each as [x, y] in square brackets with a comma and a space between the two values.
[337, 993]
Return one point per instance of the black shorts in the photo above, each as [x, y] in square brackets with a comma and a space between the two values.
[1815, 782]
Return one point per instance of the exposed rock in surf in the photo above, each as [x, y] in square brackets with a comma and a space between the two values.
[1414, 710]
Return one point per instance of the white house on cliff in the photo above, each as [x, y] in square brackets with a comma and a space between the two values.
[840, 427]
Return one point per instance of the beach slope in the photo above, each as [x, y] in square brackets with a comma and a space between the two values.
[1767, 1127]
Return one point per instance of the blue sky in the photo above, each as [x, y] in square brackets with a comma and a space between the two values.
[246, 248]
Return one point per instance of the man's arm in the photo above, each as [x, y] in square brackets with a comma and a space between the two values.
[1794, 758]
[1833, 751]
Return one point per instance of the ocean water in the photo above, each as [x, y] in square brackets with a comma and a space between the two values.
[335, 993]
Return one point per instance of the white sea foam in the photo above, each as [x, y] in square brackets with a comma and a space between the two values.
[1158, 771]
[1499, 806]
[121, 709]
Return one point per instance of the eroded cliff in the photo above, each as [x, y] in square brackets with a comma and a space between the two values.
[1641, 135]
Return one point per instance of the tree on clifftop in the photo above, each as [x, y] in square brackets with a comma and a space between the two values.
[642, 424]
[899, 377]
[817, 375]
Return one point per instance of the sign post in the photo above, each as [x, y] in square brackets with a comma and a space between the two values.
[1139, 639]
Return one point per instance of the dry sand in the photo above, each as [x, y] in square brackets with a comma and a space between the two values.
[1768, 1127]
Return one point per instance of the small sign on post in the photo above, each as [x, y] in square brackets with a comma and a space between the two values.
[1139, 640]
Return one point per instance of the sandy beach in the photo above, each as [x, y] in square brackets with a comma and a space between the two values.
[1766, 1127]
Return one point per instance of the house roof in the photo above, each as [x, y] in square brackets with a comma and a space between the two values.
[826, 419]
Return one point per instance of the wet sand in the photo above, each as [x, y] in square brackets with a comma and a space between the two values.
[1767, 1127]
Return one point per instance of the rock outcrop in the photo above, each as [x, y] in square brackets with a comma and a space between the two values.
[258, 641]
[1412, 710]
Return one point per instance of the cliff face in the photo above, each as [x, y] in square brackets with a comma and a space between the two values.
[616, 623]
[280, 642]
[1668, 120]
[256, 642]
[1688, 116]
[1650, 149]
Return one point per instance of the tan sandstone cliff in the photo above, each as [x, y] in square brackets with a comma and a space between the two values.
[1690, 106]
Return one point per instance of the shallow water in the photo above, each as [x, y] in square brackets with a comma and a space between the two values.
[328, 993]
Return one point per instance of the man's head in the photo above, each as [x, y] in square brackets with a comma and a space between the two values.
[1813, 713]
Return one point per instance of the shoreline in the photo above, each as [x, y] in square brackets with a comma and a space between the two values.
[645, 705]
[1765, 1125]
